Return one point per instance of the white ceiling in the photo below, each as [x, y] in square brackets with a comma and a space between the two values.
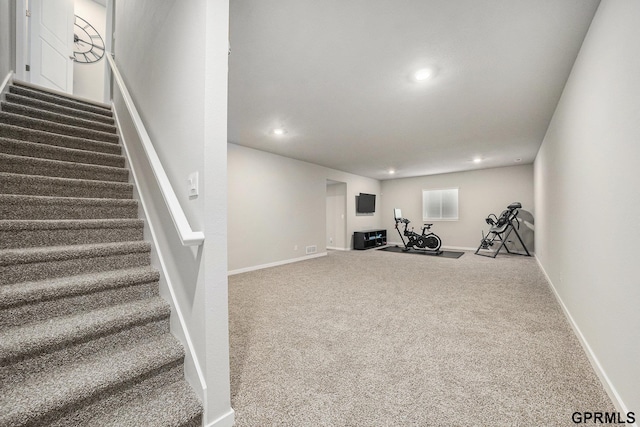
[337, 75]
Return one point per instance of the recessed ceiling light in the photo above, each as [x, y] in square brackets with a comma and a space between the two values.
[423, 74]
[391, 171]
[279, 131]
[477, 160]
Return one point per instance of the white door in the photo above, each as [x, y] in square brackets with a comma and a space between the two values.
[51, 28]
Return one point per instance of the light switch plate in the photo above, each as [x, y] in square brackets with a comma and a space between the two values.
[192, 181]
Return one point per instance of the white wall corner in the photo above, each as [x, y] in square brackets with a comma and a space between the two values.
[593, 359]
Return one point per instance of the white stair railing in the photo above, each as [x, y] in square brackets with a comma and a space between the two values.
[188, 237]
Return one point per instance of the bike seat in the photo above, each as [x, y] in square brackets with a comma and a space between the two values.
[428, 226]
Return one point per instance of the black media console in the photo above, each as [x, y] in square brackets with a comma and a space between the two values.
[369, 239]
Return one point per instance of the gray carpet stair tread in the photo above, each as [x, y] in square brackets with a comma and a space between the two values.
[175, 404]
[69, 224]
[19, 206]
[56, 108]
[51, 152]
[75, 383]
[57, 128]
[35, 338]
[37, 113]
[62, 169]
[49, 232]
[62, 287]
[11, 183]
[60, 99]
[59, 253]
[84, 333]
[56, 201]
[39, 263]
[43, 137]
[60, 95]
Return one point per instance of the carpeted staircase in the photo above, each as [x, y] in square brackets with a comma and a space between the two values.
[84, 334]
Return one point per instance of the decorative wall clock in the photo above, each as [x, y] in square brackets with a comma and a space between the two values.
[89, 46]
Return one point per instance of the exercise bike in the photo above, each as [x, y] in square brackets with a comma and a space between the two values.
[427, 242]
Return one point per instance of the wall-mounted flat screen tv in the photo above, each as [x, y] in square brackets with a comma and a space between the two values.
[366, 203]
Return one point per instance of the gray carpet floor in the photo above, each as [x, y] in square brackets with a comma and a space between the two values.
[371, 338]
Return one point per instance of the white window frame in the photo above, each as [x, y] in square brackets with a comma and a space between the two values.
[437, 192]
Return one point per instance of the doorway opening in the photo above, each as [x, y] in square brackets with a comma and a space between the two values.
[336, 215]
[61, 44]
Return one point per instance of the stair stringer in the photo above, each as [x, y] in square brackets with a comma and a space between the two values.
[193, 370]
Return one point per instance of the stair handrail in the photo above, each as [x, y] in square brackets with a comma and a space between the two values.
[5, 83]
[188, 237]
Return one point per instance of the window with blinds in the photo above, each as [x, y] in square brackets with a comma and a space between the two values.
[440, 205]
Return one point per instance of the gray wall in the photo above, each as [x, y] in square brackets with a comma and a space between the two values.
[173, 57]
[277, 207]
[7, 37]
[277, 204]
[587, 198]
[480, 193]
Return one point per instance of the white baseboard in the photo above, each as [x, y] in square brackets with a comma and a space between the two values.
[275, 264]
[593, 359]
[457, 248]
[334, 248]
[225, 420]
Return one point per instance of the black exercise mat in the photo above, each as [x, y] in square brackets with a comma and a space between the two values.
[444, 254]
